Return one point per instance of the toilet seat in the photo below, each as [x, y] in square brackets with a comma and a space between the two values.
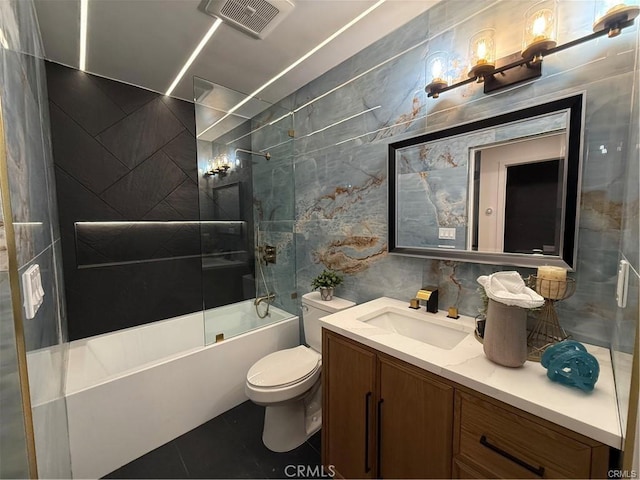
[284, 368]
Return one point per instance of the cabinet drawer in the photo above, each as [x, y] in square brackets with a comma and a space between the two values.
[512, 446]
[464, 468]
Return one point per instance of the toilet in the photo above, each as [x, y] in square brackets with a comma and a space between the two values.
[287, 382]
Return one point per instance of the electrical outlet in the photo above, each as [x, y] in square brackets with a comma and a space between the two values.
[446, 233]
[32, 290]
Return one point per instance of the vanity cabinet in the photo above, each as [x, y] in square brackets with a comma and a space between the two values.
[383, 418]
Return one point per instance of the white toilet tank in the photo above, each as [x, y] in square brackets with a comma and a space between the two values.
[313, 308]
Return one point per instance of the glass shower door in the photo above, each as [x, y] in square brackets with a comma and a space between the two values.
[239, 139]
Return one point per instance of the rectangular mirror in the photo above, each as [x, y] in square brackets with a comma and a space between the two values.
[502, 190]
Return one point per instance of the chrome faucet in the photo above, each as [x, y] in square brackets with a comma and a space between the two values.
[270, 297]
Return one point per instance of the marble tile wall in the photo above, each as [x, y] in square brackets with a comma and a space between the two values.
[345, 119]
[124, 154]
[23, 90]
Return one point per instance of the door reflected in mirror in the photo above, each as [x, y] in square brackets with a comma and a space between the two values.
[502, 190]
[518, 204]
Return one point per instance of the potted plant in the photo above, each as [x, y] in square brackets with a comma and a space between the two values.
[326, 282]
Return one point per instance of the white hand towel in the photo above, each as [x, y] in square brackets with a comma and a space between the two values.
[509, 288]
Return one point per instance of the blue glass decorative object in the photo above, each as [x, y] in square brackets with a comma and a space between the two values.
[554, 350]
[569, 363]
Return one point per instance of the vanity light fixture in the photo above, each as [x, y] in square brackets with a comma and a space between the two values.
[540, 28]
[482, 54]
[611, 14]
[541, 25]
[437, 71]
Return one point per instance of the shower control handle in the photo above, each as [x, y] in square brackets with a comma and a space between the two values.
[268, 254]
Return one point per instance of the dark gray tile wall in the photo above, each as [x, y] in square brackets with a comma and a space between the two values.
[123, 153]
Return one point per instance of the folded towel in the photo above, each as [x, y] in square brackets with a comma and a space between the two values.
[509, 288]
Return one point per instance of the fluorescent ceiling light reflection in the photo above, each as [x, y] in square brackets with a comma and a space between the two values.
[3, 40]
[260, 128]
[84, 10]
[297, 62]
[194, 55]
[341, 121]
[351, 117]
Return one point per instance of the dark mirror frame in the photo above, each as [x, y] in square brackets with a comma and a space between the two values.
[574, 105]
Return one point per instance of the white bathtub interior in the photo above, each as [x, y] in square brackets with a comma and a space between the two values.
[238, 318]
[132, 391]
[101, 358]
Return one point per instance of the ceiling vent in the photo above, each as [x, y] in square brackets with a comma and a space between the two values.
[255, 17]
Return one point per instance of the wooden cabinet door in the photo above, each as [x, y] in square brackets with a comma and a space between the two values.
[415, 422]
[348, 407]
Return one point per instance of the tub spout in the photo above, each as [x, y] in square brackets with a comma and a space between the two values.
[266, 298]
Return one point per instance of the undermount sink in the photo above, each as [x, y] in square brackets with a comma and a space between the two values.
[418, 326]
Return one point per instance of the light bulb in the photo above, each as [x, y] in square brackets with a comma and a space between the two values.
[482, 54]
[539, 26]
[540, 30]
[436, 69]
[482, 51]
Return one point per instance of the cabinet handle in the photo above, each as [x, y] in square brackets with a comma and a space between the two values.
[367, 402]
[379, 450]
[538, 471]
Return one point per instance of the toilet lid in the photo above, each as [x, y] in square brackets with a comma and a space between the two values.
[284, 367]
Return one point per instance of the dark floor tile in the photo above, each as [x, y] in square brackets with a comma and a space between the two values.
[302, 462]
[229, 446]
[213, 451]
[163, 462]
[246, 421]
[316, 441]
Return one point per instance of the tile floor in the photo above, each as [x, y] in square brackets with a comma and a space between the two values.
[229, 446]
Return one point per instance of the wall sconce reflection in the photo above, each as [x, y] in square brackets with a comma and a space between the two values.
[539, 40]
[219, 166]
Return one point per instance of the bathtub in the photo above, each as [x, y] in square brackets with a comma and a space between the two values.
[131, 391]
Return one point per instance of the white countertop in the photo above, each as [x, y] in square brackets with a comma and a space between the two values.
[593, 414]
